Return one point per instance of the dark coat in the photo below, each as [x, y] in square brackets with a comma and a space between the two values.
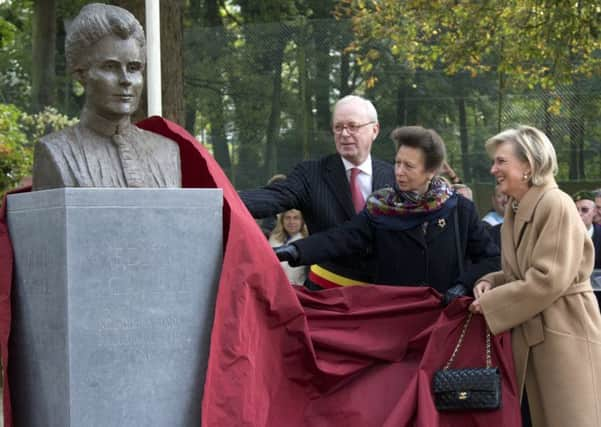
[597, 243]
[410, 257]
[320, 190]
[495, 233]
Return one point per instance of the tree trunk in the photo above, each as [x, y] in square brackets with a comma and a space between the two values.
[401, 105]
[464, 138]
[322, 82]
[304, 120]
[581, 151]
[576, 130]
[273, 126]
[172, 60]
[547, 116]
[195, 10]
[501, 92]
[345, 74]
[43, 90]
[412, 103]
[323, 42]
[218, 136]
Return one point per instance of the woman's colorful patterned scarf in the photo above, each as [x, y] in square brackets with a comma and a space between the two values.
[392, 208]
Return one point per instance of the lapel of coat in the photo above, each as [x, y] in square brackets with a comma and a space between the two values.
[508, 241]
[515, 223]
[417, 234]
[335, 178]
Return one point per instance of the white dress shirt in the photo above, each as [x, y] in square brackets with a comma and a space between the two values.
[364, 178]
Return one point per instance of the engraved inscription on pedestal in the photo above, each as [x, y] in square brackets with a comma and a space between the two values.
[114, 300]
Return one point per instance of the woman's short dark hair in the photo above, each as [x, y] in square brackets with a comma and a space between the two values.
[426, 140]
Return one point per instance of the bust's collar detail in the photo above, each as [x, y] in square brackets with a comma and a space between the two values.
[103, 126]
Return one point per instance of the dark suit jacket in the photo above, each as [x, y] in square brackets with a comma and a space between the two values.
[320, 190]
[410, 257]
[495, 233]
[597, 243]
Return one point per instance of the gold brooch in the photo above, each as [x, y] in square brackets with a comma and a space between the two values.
[442, 223]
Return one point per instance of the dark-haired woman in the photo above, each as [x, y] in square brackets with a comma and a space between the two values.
[421, 232]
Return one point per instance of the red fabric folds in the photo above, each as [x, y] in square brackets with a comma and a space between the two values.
[281, 355]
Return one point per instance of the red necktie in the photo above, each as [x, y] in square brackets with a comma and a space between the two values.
[358, 200]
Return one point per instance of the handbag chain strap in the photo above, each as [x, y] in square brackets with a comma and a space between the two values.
[460, 341]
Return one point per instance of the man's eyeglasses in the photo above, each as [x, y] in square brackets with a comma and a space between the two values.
[350, 127]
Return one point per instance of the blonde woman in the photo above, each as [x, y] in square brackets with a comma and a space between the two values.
[290, 226]
[543, 293]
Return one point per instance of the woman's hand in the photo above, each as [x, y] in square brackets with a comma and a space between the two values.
[482, 287]
[475, 307]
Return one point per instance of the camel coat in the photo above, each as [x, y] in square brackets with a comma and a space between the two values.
[544, 295]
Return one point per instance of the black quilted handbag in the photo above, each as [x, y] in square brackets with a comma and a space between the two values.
[470, 388]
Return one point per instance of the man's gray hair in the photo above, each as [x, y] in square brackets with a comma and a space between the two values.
[370, 110]
[94, 22]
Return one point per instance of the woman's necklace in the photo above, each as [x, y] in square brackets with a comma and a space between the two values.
[515, 205]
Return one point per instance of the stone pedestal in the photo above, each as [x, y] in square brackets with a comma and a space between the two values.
[112, 305]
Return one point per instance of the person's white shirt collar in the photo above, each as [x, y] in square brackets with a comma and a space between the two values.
[364, 178]
[590, 231]
[365, 167]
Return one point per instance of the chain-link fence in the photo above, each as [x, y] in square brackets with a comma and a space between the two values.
[260, 97]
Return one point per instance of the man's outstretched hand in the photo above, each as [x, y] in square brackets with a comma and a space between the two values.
[287, 253]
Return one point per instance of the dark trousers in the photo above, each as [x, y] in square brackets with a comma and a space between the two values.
[526, 422]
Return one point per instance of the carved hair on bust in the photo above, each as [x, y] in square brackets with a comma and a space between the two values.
[94, 22]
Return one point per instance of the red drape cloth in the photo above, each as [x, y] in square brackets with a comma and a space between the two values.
[281, 355]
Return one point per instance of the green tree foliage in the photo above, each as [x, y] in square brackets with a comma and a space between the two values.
[518, 46]
[15, 52]
[15, 151]
[18, 132]
[533, 42]
[261, 77]
[256, 85]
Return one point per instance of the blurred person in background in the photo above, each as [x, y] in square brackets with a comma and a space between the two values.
[290, 227]
[464, 190]
[494, 218]
[495, 215]
[585, 204]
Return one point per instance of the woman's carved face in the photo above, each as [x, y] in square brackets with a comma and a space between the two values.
[114, 79]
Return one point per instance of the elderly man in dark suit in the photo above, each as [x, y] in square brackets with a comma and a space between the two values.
[329, 191]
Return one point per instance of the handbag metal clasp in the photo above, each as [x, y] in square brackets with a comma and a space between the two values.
[462, 395]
